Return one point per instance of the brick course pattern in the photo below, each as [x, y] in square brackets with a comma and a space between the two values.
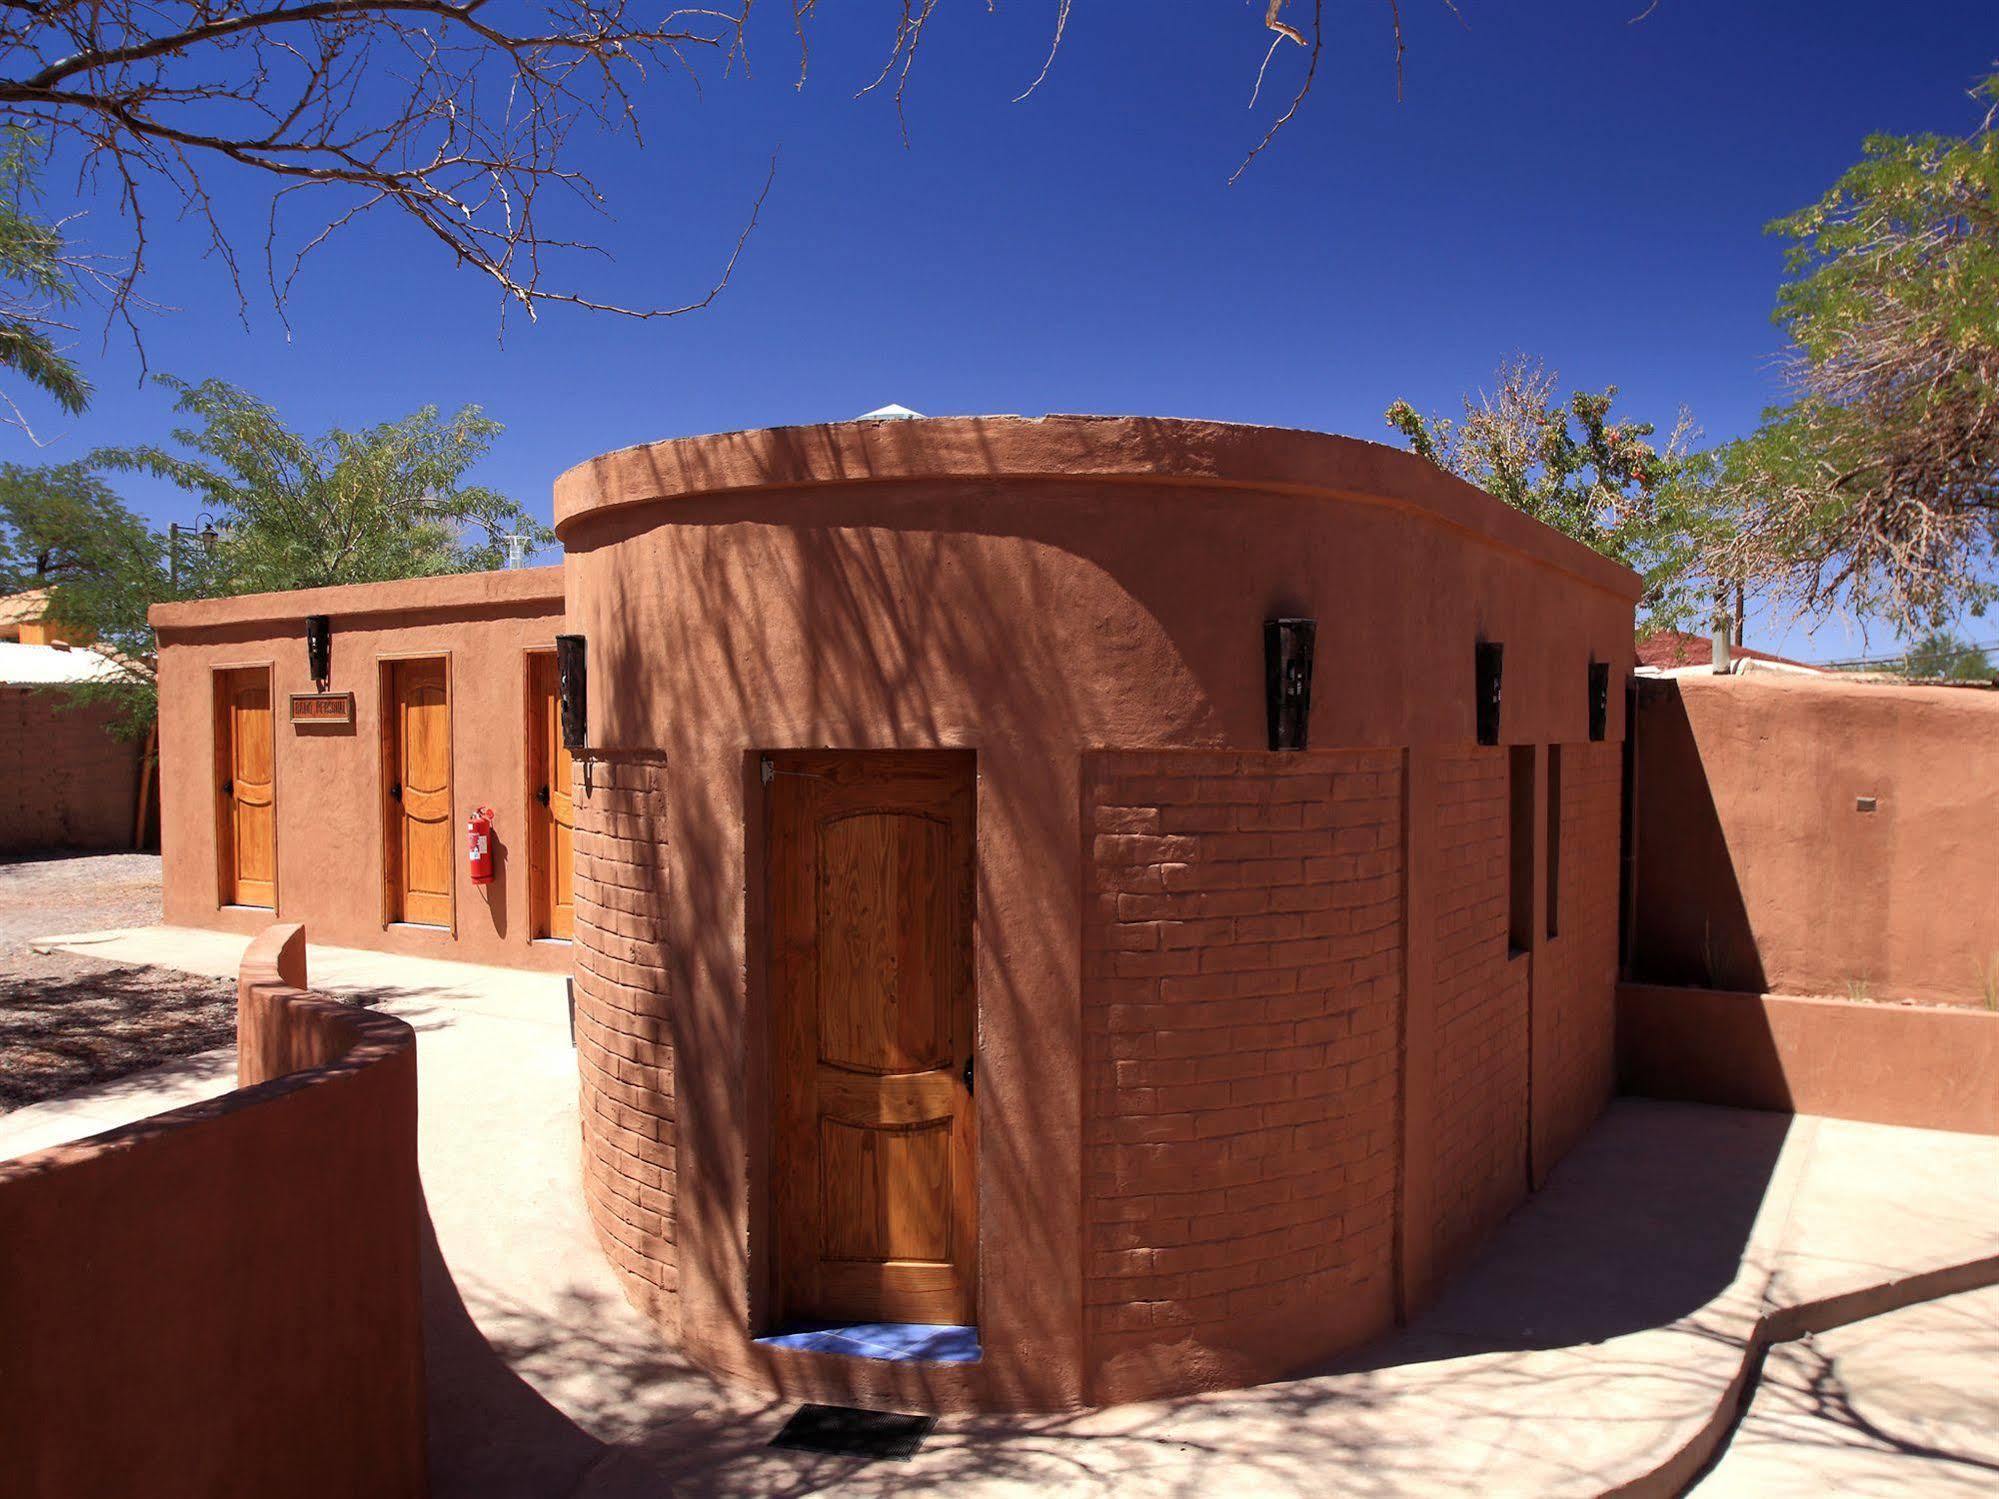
[624, 1045]
[1242, 1003]
[1481, 999]
[69, 782]
[1576, 979]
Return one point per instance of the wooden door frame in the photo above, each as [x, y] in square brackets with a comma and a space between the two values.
[764, 1014]
[385, 663]
[269, 667]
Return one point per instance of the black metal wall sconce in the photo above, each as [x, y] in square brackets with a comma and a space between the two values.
[572, 685]
[1599, 699]
[1489, 664]
[319, 649]
[1287, 680]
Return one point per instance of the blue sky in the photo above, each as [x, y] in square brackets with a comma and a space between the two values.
[1556, 181]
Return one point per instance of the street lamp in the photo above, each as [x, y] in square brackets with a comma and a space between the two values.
[175, 530]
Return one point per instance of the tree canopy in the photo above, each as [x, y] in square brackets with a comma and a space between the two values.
[349, 506]
[1567, 462]
[1876, 490]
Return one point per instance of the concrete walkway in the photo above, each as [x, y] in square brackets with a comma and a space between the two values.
[1599, 1345]
[1904, 1403]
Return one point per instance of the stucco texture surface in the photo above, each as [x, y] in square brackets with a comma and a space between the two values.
[1043, 592]
[1815, 837]
[329, 785]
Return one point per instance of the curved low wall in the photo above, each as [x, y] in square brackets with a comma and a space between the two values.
[224, 1299]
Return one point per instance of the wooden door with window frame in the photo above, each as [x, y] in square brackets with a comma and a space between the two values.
[870, 857]
[551, 810]
[419, 841]
[246, 832]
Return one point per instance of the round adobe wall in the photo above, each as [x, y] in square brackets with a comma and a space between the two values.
[1080, 601]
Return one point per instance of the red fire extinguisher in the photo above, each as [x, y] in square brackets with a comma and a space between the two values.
[479, 845]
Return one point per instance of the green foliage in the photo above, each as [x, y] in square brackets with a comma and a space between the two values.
[1941, 656]
[63, 528]
[37, 273]
[382, 502]
[1876, 490]
[1605, 482]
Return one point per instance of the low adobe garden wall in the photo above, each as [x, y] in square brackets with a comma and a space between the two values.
[224, 1299]
[1929, 1066]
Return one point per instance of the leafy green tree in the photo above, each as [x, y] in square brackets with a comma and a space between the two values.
[1942, 656]
[63, 528]
[1876, 490]
[1603, 481]
[351, 506]
[37, 280]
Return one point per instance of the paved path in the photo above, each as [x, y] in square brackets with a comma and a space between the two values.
[1599, 1341]
[1904, 1403]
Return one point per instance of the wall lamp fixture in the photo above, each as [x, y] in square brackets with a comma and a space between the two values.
[319, 649]
[572, 682]
[1489, 665]
[1287, 679]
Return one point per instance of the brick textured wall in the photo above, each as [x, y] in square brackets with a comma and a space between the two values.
[1481, 1009]
[624, 1047]
[1575, 984]
[1242, 992]
[68, 783]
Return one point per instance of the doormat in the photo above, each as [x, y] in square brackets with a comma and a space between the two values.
[845, 1432]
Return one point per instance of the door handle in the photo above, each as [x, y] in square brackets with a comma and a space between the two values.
[541, 795]
[396, 791]
[968, 1074]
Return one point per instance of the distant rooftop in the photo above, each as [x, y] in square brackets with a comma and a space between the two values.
[1668, 649]
[37, 665]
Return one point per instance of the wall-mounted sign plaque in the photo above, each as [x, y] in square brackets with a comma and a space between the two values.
[322, 707]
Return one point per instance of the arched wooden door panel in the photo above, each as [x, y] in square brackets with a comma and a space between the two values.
[246, 789]
[551, 808]
[871, 863]
[416, 780]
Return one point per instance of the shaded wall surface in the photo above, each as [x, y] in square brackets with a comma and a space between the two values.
[329, 786]
[1804, 836]
[1925, 1066]
[70, 783]
[223, 1300]
[1193, 956]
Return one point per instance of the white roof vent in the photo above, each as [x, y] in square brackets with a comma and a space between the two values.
[889, 413]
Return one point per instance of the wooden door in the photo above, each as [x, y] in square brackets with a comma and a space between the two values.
[870, 856]
[416, 763]
[245, 787]
[551, 811]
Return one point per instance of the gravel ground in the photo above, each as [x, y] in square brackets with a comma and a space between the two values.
[68, 1021]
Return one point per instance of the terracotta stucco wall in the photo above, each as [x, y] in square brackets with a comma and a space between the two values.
[1758, 870]
[1242, 1001]
[1575, 978]
[624, 1043]
[1480, 1001]
[225, 1299]
[329, 789]
[1039, 593]
[68, 782]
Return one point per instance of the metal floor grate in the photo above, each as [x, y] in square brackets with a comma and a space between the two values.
[845, 1432]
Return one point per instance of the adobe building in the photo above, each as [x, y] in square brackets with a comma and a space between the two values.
[973, 1008]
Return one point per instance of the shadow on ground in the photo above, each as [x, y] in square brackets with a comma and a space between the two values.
[1641, 1228]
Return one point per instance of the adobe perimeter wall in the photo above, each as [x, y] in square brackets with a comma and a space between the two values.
[69, 782]
[329, 787]
[224, 1299]
[1926, 1066]
[1760, 869]
[1081, 603]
